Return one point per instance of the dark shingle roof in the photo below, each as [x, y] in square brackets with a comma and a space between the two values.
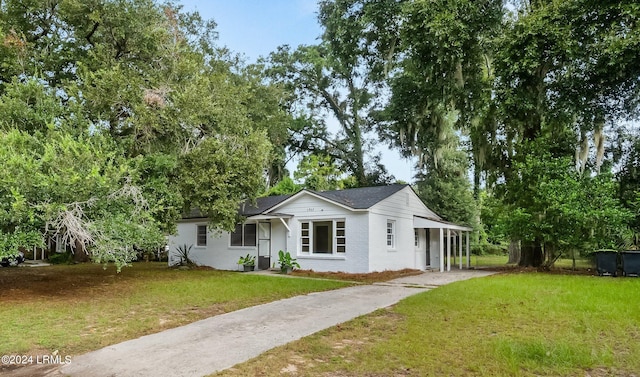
[262, 204]
[357, 198]
[361, 198]
[246, 209]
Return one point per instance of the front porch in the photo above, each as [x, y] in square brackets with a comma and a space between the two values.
[451, 238]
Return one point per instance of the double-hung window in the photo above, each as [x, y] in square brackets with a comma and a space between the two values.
[201, 235]
[323, 237]
[244, 235]
[391, 234]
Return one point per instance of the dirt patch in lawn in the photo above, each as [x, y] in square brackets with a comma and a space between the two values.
[372, 277]
[511, 268]
[21, 283]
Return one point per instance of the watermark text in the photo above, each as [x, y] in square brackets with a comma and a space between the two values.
[35, 359]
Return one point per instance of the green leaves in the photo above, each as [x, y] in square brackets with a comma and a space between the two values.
[11, 243]
[116, 115]
[221, 172]
[551, 201]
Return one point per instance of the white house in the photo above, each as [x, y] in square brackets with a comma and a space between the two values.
[356, 230]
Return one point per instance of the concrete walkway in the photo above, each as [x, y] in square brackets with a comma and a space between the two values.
[219, 342]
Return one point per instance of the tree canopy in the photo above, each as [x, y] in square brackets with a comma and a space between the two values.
[526, 90]
[118, 115]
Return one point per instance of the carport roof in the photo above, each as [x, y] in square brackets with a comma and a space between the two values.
[425, 222]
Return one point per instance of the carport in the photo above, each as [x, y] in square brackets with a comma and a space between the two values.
[452, 234]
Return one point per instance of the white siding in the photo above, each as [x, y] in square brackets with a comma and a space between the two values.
[382, 257]
[399, 207]
[310, 208]
[217, 254]
[365, 231]
[404, 203]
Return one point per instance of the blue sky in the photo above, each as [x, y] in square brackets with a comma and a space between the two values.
[254, 28]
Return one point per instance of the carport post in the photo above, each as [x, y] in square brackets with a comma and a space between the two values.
[448, 249]
[441, 250]
[460, 247]
[468, 255]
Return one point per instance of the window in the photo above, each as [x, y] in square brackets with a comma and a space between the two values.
[323, 237]
[341, 239]
[244, 235]
[201, 235]
[416, 238]
[305, 236]
[391, 234]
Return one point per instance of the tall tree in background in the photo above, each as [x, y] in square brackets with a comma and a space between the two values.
[115, 106]
[472, 76]
[339, 78]
[440, 91]
[563, 71]
[629, 184]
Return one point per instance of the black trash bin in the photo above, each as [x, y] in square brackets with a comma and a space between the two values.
[606, 262]
[630, 262]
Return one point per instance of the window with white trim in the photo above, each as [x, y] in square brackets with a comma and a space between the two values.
[341, 237]
[323, 237]
[243, 235]
[416, 238]
[201, 235]
[391, 234]
[305, 236]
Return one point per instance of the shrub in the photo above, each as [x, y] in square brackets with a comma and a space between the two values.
[61, 258]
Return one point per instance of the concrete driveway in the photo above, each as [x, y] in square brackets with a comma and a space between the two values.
[219, 342]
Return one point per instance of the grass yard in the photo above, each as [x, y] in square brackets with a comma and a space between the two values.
[519, 324]
[78, 308]
[501, 260]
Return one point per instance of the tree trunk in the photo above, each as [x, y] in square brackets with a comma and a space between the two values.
[531, 254]
[79, 254]
[514, 252]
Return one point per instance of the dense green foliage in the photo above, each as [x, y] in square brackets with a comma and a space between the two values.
[335, 81]
[525, 91]
[117, 115]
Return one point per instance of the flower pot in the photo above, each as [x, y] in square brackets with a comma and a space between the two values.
[248, 268]
[286, 270]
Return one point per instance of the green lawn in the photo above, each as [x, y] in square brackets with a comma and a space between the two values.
[524, 324]
[501, 260]
[79, 308]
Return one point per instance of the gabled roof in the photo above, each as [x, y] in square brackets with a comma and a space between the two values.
[262, 205]
[356, 198]
[353, 199]
[361, 198]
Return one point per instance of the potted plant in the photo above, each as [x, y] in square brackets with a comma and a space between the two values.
[248, 262]
[287, 263]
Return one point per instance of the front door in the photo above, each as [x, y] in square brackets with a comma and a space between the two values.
[264, 245]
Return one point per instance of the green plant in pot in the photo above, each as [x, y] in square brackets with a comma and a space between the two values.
[287, 263]
[248, 262]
